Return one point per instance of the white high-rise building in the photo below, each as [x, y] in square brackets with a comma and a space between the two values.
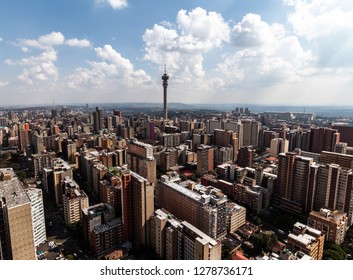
[38, 218]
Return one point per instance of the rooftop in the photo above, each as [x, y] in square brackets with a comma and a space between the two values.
[12, 189]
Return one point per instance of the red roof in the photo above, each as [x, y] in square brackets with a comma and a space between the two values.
[238, 256]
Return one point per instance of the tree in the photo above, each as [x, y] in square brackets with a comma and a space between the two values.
[227, 247]
[263, 242]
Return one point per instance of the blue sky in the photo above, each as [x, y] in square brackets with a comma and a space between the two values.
[242, 51]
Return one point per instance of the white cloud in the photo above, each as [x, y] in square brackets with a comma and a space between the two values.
[38, 68]
[264, 55]
[51, 40]
[113, 71]
[42, 67]
[3, 84]
[328, 26]
[1, 39]
[182, 48]
[115, 4]
[43, 42]
[78, 43]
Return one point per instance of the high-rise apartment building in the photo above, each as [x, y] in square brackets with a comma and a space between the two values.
[137, 207]
[43, 160]
[245, 156]
[16, 225]
[176, 240]
[98, 121]
[38, 218]
[203, 207]
[205, 159]
[236, 216]
[332, 223]
[74, 201]
[323, 139]
[102, 231]
[306, 239]
[140, 159]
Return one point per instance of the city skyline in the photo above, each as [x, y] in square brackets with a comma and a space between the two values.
[259, 52]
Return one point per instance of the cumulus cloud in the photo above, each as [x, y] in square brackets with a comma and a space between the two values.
[182, 47]
[3, 84]
[43, 42]
[78, 43]
[115, 4]
[112, 70]
[327, 25]
[42, 66]
[264, 55]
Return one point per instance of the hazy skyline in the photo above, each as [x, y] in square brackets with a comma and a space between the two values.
[254, 52]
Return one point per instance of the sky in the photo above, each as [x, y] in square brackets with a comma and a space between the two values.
[290, 52]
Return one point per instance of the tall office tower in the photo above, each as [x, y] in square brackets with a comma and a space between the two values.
[16, 226]
[245, 156]
[38, 218]
[98, 121]
[205, 159]
[332, 223]
[176, 240]
[140, 159]
[323, 139]
[205, 208]
[165, 79]
[306, 239]
[326, 186]
[74, 201]
[137, 207]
